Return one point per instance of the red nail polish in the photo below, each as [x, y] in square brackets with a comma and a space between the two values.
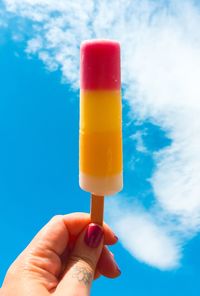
[115, 263]
[93, 235]
[116, 238]
[119, 271]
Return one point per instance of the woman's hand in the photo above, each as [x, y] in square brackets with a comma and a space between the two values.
[63, 259]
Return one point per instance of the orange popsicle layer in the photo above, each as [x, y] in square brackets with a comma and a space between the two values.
[100, 133]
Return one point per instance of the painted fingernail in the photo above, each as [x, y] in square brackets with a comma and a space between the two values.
[115, 263]
[116, 238]
[93, 235]
[118, 269]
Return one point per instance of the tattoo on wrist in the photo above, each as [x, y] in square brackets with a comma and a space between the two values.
[82, 274]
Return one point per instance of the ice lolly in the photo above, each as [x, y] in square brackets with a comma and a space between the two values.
[100, 134]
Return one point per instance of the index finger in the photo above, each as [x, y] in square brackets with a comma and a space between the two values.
[76, 222]
[57, 233]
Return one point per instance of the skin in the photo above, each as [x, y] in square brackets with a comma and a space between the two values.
[58, 262]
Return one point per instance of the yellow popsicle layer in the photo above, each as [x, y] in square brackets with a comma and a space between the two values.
[100, 133]
[100, 111]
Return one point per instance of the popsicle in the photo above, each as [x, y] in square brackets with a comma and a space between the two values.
[100, 133]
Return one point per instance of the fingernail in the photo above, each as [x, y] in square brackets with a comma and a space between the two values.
[115, 263]
[116, 238]
[118, 269]
[93, 235]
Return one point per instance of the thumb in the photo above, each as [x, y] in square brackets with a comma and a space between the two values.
[82, 262]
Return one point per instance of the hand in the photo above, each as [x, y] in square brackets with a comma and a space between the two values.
[63, 259]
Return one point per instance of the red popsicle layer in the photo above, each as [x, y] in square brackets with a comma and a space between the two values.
[100, 65]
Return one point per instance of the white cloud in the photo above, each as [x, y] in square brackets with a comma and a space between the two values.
[3, 18]
[138, 138]
[142, 236]
[160, 71]
[34, 45]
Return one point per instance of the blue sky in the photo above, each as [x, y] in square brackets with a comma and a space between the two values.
[39, 120]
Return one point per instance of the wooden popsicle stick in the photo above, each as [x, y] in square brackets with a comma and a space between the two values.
[97, 209]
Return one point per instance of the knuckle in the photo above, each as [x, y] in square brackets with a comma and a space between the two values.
[12, 271]
[16, 269]
[56, 218]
